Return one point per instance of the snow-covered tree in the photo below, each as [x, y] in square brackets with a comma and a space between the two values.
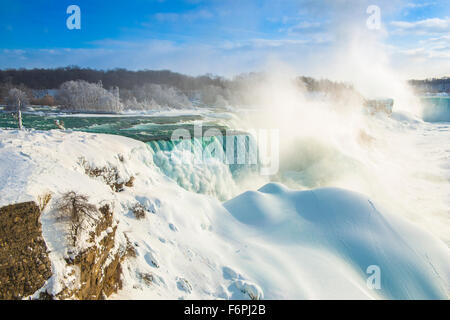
[16, 100]
[84, 96]
[155, 96]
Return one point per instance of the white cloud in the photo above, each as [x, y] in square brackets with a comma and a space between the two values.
[277, 42]
[441, 38]
[306, 25]
[306, 28]
[414, 52]
[187, 16]
[261, 43]
[426, 26]
[413, 5]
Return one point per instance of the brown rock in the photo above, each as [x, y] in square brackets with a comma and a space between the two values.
[20, 231]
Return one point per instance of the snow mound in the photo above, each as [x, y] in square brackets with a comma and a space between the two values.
[349, 227]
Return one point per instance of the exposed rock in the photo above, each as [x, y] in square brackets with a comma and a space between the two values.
[130, 182]
[25, 265]
[24, 262]
[130, 251]
[99, 265]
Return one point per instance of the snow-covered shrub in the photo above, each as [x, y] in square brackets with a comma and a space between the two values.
[138, 211]
[84, 96]
[43, 200]
[109, 174]
[154, 96]
[214, 96]
[133, 104]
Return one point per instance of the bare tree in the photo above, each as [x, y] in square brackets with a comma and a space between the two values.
[77, 209]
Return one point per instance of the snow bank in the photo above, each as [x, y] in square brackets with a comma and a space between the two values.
[272, 243]
[349, 229]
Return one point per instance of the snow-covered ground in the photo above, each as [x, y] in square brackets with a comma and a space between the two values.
[274, 243]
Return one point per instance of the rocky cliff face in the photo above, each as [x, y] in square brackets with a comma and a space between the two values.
[24, 261]
[99, 265]
[25, 266]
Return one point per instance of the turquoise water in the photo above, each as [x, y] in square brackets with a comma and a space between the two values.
[143, 128]
[436, 109]
[238, 152]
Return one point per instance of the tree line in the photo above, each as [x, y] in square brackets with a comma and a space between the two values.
[122, 78]
[119, 89]
[433, 85]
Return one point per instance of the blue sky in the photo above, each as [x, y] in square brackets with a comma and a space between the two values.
[223, 37]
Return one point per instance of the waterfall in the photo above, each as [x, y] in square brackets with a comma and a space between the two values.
[209, 165]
